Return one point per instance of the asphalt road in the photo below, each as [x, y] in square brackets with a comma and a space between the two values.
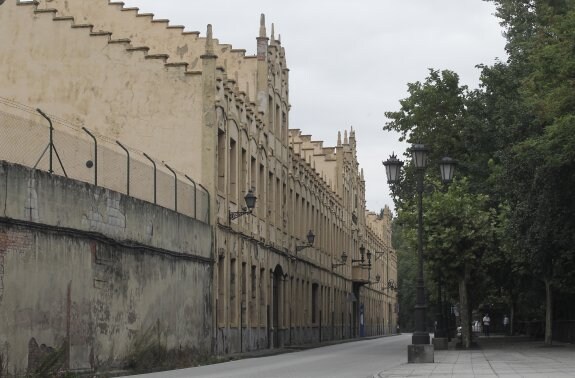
[356, 359]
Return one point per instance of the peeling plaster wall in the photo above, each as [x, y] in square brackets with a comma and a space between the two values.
[90, 78]
[162, 38]
[98, 276]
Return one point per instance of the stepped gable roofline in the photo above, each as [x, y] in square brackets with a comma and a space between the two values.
[217, 45]
[240, 51]
[297, 137]
[120, 6]
[122, 42]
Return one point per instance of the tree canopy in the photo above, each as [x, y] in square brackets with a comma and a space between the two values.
[508, 216]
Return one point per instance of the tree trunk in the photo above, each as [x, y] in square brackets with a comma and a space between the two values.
[511, 318]
[548, 313]
[464, 310]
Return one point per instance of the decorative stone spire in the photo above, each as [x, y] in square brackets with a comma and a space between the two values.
[339, 138]
[345, 141]
[272, 38]
[352, 138]
[262, 45]
[209, 41]
[263, 26]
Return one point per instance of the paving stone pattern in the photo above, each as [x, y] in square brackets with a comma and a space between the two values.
[496, 357]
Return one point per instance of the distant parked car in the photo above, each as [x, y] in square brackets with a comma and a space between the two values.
[476, 326]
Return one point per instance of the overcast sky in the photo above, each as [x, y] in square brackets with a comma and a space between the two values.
[350, 61]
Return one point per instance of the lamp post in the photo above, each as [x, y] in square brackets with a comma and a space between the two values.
[447, 169]
[420, 336]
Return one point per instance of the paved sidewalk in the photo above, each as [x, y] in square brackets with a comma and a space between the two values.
[495, 357]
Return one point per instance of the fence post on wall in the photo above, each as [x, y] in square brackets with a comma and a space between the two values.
[128, 168]
[175, 186]
[154, 164]
[208, 193]
[50, 146]
[195, 196]
[95, 155]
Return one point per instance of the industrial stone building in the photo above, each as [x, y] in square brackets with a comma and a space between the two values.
[215, 122]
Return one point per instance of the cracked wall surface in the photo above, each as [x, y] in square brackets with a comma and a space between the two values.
[90, 283]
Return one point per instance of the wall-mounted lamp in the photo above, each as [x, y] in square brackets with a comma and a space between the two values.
[377, 279]
[310, 239]
[342, 261]
[250, 199]
[362, 260]
[379, 254]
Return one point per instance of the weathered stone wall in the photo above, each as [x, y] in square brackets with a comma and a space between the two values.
[91, 279]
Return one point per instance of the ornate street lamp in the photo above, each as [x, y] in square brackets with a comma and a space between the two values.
[392, 169]
[342, 261]
[420, 336]
[362, 254]
[361, 261]
[377, 279]
[310, 239]
[447, 167]
[419, 155]
[250, 199]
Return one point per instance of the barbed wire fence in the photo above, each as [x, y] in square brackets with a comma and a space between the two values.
[32, 138]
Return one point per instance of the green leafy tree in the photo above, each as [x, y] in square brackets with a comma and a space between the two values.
[515, 140]
[437, 114]
[459, 230]
[538, 169]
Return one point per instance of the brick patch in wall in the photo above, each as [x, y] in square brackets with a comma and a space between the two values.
[11, 241]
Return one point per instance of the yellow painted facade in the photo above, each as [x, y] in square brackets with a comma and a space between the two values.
[222, 118]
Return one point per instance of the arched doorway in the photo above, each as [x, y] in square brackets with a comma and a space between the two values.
[277, 286]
